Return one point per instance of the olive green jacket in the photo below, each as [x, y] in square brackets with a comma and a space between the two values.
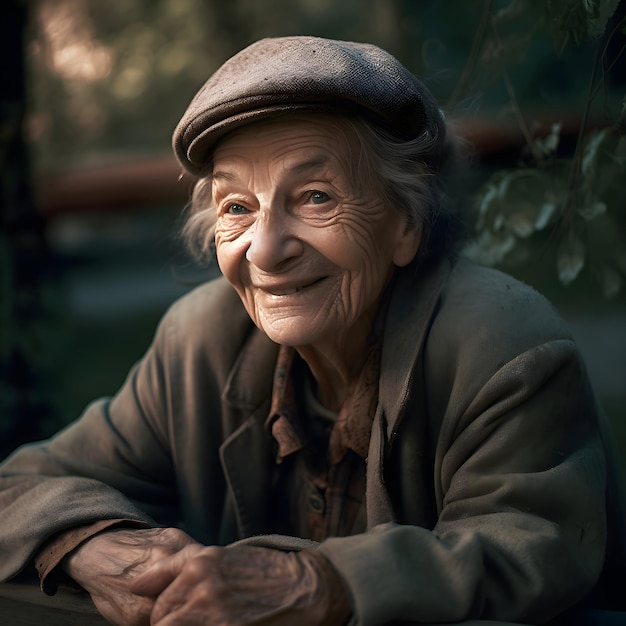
[490, 478]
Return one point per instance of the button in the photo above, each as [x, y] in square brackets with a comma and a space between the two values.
[316, 502]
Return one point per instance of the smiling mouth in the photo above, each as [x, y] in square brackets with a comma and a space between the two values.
[291, 290]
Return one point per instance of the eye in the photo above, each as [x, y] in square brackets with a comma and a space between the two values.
[237, 209]
[319, 197]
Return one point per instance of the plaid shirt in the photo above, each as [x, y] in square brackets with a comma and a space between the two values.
[319, 480]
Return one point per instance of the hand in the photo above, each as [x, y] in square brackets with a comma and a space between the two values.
[105, 565]
[244, 586]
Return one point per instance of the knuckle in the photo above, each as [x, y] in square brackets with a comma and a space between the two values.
[159, 552]
[204, 595]
[198, 566]
[171, 535]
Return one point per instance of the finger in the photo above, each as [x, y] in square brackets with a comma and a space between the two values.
[198, 589]
[132, 611]
[157, 577]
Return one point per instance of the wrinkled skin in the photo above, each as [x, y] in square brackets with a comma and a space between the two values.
[242, 586]
[162, 577]
[308, 247]
[106, 564]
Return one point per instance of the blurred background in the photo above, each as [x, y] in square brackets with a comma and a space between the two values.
[91, 197]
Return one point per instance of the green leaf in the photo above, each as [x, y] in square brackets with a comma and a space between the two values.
[520, 202]
[545, 214]
[599, 12]
[578, 20]
[522, 223]
[570, 259]
[567, 21]
[546, 146]
[592, 148]
[591, 211]
[490, 248]
[603, 166]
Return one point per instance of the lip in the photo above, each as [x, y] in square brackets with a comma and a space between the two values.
[288, 288]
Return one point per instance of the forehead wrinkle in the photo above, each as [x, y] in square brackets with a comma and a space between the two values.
[281, 156]
[312, 164]
[227, 168]
[223, 175]
[299, 155]
[295, 164]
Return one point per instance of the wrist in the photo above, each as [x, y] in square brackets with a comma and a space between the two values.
[50, 560]
[335, 597]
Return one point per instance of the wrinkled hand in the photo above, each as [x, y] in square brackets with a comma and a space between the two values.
[105, 565]
[243, 585]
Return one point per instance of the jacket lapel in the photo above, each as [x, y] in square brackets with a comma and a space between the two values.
[249, 384]
[247, 453]
[246, 461]
[413, 303]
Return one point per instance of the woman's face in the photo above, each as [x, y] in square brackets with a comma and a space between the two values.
[308, 249]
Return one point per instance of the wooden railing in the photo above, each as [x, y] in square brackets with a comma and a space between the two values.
[24, 604]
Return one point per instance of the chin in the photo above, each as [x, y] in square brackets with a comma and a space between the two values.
[290, 334]
[290, 339]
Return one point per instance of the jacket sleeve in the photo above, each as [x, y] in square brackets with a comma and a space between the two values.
[520, 483]
[112, 463]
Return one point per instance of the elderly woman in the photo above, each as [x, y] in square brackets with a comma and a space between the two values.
[372, 429]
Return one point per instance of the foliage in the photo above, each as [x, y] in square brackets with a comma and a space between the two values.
[114, 77]
[572, 205]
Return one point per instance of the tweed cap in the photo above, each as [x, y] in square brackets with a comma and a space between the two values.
[307, 74]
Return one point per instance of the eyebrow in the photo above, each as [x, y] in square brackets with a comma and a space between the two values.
[222, 175]
[310, 164]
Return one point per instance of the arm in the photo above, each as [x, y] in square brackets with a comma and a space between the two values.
[82, 504]
[125, 458]
[113, 463]
[520, 536]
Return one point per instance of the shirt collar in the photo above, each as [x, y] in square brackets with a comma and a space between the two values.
[353, 425]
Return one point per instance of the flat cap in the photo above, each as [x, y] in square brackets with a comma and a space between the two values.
[308, 74]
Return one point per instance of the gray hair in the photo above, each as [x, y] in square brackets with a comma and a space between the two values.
[411, 175]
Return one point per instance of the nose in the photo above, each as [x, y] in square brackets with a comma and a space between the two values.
[272, 242]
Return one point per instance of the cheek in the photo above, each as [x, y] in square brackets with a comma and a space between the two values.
[355, 248]
[364, 250]
[231, 243]
[364, 267]
[363, 234]
[229, 257]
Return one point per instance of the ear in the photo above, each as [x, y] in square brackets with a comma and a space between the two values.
[407, 244]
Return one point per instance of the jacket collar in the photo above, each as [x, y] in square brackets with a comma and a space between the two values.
[249, 384]
[414, 300]
[248, 391]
